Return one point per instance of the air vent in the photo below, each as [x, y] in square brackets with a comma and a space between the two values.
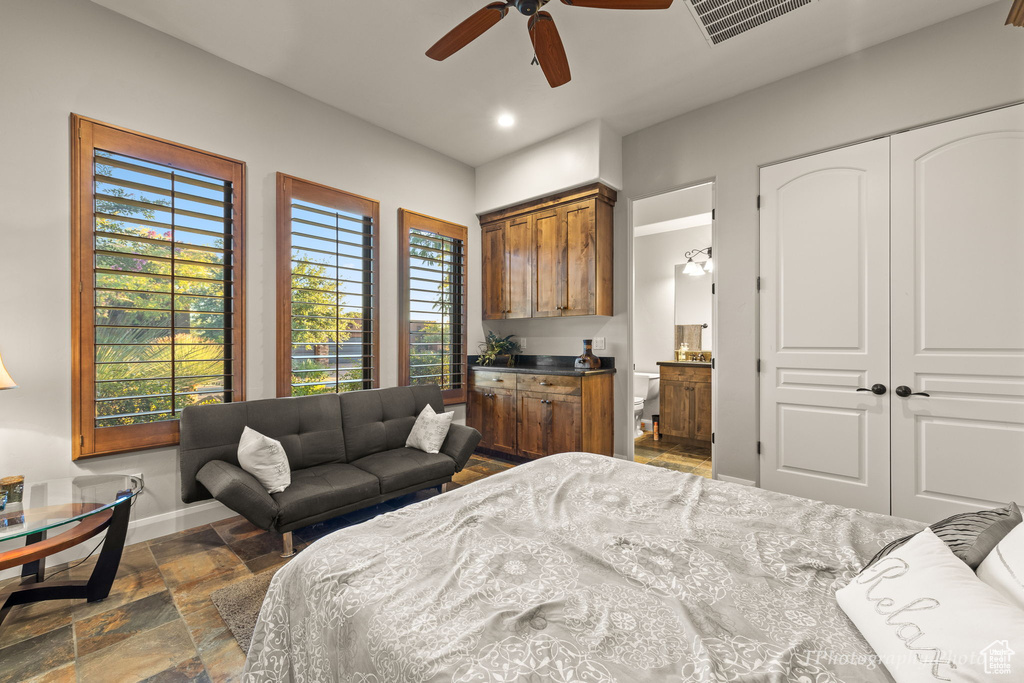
[725, 19]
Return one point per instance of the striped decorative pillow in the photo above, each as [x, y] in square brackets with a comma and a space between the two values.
[970, 535]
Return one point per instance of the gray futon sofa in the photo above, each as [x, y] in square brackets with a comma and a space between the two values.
[346, 451]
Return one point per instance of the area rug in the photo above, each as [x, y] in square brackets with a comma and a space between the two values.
[239, 605]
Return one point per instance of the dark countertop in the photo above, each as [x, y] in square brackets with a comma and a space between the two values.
[684, 364]
[541, 370]
[545, 365]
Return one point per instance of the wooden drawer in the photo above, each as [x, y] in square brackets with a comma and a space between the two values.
[490, 379]
[566, 385]
[685, 374]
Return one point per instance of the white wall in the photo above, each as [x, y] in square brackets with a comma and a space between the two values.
[63, 56]
[582, 155]
[960, 66]
[655, 294]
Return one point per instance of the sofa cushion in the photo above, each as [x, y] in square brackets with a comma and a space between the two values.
[401, 468]
[322, 488]
[380, 419]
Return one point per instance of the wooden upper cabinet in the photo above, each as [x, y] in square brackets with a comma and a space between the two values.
[550, 257]
[493, 274]
[555, 256]
[519, 267]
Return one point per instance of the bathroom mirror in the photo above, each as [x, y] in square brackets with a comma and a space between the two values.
[693, 302]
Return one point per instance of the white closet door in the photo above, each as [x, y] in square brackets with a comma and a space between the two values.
[825, 326]
[958, 315]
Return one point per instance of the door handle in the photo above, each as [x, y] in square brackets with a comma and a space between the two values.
[904, 391]
[876, 389]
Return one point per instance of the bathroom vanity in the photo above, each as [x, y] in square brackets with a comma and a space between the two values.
[686, 402]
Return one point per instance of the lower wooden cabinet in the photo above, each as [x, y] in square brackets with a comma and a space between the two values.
[685, 399]
[534, 415]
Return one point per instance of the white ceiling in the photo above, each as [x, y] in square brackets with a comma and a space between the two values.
[630, 68]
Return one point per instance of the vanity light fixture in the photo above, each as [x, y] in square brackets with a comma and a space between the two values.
[694, 268]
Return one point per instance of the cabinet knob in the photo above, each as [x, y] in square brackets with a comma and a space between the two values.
[498, 379]
[544, 384]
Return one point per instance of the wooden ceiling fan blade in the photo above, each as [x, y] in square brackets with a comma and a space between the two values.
[547, 45]
[1016, 16]
[620, 4]
[468, 31]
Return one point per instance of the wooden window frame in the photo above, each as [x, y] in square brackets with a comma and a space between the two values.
[88, 135]
[408, 220]
[289, 188]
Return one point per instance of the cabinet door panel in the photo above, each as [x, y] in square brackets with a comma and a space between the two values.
[549, 260]
[566, 426]
[503, 425]
[534, 424]
[675, 409]
[493, 275]
[581, 263]
[701, 411]
[519, 267]
[478, 415]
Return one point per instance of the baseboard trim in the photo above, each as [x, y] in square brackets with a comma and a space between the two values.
[141, 530]
[736, 480]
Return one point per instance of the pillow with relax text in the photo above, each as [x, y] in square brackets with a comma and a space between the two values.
[430, 430]
[265, 459]
[929, 618]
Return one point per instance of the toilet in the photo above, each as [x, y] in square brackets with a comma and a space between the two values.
[645, 388]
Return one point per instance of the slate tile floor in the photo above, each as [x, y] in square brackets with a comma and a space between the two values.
[692, 459]
[159, 625]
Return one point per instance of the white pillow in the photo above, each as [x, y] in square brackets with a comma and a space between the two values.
[1003, 569]
[929, 618]
[265, 459]
[429, 431]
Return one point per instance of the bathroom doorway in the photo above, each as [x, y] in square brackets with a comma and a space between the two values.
[672, 328]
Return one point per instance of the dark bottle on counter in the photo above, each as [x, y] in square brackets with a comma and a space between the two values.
[587, 360]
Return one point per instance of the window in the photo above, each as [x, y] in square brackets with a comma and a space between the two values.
[327, 264]
[157, 269]
[432, 310]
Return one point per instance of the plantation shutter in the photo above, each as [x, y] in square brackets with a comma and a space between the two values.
[433, 320]
[158, 256]
[327, 264]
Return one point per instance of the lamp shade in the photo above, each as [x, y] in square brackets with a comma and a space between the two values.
[692, 268]
[5, 379]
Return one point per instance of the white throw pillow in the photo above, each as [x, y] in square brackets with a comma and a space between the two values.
[430, 430]
[1003, 569]
[265, 459]
[929, 618]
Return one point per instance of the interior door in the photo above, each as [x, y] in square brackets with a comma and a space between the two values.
[519, 267]
[581, 262]
[549, 257]
[825, 326]
[493, 276]
[958, 315]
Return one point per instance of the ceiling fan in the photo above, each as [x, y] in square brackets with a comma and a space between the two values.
[547, 45]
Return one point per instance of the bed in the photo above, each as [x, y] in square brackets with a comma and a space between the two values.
[578, 568]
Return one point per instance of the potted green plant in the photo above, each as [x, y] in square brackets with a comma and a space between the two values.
[497, 348]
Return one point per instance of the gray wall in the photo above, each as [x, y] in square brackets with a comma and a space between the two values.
[63, 56]
[957, 67]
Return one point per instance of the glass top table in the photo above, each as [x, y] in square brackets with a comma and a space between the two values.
[50, 504]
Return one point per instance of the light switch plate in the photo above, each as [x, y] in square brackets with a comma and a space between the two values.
[599, 343]
[522, 343]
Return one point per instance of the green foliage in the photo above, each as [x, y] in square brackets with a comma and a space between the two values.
[495, 346]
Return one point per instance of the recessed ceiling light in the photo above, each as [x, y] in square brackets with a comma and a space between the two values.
[506, 120]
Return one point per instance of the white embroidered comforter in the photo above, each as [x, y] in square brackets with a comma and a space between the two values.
[578, 568]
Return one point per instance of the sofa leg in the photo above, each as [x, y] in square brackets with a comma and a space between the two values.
[287, 549]
[446, 486]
